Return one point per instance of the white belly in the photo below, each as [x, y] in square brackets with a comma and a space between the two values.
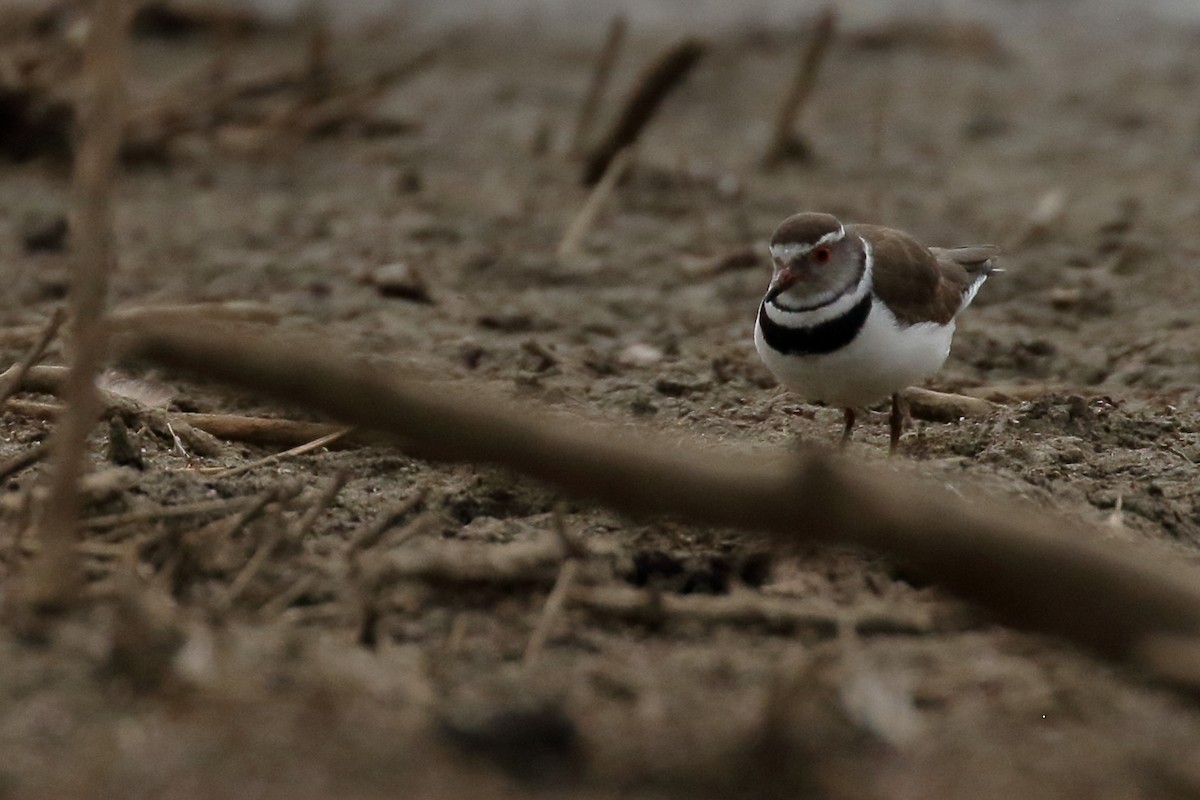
[884, 358]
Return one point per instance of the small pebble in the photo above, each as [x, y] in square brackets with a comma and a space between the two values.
[400, 280]
[640, 355]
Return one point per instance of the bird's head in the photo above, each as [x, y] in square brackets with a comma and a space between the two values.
[814, 260]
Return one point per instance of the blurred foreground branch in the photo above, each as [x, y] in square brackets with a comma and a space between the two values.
[55, 574]
[1033, 571]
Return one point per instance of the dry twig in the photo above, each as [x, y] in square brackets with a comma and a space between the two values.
[652, 87]
[323, 502]
[535, 561]
[369, 535]
[307, 447]
[785, 141]
[551, 610]
[1012, 393]
[579, 227]
[194, 428]
[599, 82]
[333, 113]
[56, 574]
[943, 407]
[1072, 583]
[15, 375]
[23, 460]
[261, 430]
[748, 608]
[252, 566]
[159, 513]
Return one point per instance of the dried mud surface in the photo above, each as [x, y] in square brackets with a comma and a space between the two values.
[303, 678]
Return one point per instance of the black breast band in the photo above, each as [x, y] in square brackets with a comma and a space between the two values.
[817, 339]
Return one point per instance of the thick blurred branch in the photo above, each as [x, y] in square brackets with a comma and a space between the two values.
[1032, 570]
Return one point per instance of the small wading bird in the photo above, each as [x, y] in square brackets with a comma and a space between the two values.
[855, 313]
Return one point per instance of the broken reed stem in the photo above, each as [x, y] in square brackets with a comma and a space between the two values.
[1034, 571]
[785, 141]
[577, 231]
[599, 83]
[15, 375]
[663, 75]
[56, 574]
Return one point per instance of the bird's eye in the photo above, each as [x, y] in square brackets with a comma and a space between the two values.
[821, 255]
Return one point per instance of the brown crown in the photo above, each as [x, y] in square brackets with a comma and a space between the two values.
[805, 228]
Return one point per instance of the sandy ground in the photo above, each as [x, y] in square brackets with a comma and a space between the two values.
[306, 682]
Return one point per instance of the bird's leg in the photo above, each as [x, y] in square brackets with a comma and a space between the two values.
[850, 417]
[897, 423]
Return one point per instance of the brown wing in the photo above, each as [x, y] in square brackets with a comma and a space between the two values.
[920, 284]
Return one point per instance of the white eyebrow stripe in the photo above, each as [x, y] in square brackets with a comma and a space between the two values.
[787, 252]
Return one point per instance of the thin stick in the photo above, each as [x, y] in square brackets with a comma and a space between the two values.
[250, 513]
[601, 74]
[56, 575]
[943, 407]
[167, 512]
[579, 227]
[307, 447]
[785, 141]
[551, 611]
[652, 87]
[751, 608]
[522, 562]
[279, 603]
[230, 427]
[261, 430]
[324, 501]
[24, 459]
[251, 568]
[14, 375]
[1073, 583]
[307, 118]
[368, 535]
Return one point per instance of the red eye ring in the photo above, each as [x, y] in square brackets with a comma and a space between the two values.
[821, 255]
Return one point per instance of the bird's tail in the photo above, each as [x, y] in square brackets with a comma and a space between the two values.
[979, 260]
